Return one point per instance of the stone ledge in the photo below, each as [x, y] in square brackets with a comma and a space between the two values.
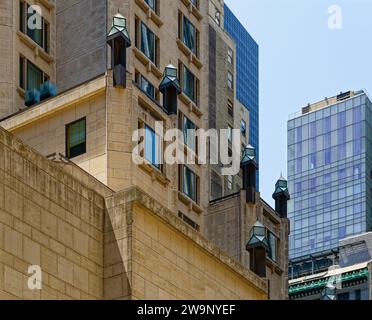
[136, 196]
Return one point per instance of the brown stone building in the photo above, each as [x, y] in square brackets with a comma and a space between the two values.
[132, 221]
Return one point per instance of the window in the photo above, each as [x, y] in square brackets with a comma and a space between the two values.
[230, 55]
[189, 83]
[148, 45]
[188, 34]
[195, 3]
[272, 246]
[146, 86]
[230, 80]
[190, 222]
[230, 108]
[38, 35]
[152, 147]
[188, 183]
[217, 17]
[343, 296]
[229, 182]
[153, 4]
[30, 76]
[189, 132]
[76, 138]
[358, 294]
[243, 128]
[229, 134]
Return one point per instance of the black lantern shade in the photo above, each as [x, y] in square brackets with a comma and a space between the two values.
[170, 88]
[258, 246]
[118, 39]
[249, 166]
[281, 196]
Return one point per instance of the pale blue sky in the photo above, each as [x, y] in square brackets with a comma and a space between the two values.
[302, 61]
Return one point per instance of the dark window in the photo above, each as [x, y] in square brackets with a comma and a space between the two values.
[189, 83]
[22, 16]
[243, 128]
[22, 72]
[189, 183]
[35, 77]
[272, 246]
[153, 4]
[30, 76]
[358, 294]
[188, 34]
[76, 138]
[189, 221]
[343, 296]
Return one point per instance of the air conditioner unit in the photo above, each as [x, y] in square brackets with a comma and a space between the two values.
[32, 97]
[47, 90]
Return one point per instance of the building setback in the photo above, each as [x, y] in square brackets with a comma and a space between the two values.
[120, 66]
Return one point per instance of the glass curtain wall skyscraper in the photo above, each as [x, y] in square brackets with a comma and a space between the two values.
[247, 77]
[329, 173]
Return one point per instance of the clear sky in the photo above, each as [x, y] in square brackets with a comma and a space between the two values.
[302, 61]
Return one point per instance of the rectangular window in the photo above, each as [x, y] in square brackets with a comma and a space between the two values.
[272, 246]
[76, 138]
[35, 76]
[22, 72]
[146, 86]
[30, 76]
[243, 128]
[189, 132]
[190, 83]
[229, 133]
[190, 222]
[229, 182]
[189, 35]
[343, 296]
[38, 30]
[358, 294]
[148, 43]
[230, 56]
[152, 4]
[189, 183]
[152, 147]
[230, 108]
[230, 80]
[195, 3]
[217, 17]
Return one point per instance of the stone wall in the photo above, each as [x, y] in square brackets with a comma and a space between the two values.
[163, 258]
[52, 219]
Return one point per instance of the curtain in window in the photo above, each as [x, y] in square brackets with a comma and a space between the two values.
[189, 35]
[147, 42]
[34, 77]
[189, 84]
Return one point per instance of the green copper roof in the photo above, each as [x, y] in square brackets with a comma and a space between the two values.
[257, 237]
[281, 187]
[119, 28]
[321, 283]
[249, 155]
[170, 79]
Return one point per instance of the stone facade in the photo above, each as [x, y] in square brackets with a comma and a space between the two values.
[229, 222]
[92, 243]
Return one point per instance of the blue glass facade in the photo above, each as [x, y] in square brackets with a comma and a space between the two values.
[247, 86]
[329, 175]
